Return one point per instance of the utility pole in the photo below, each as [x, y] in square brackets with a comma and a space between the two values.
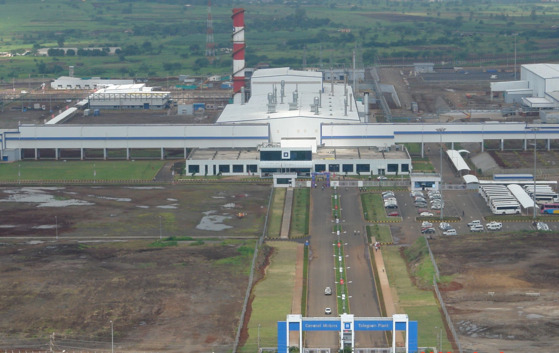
[112, 338]
[534, 192]
[441, 130]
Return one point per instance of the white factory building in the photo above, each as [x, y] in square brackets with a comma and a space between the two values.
[537, 89]
[132, 96]
[77, 83]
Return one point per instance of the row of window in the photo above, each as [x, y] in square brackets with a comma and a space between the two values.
[361, 168]
[253, 168]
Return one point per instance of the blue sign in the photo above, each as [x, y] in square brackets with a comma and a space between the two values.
[374, 325]
[317, 325]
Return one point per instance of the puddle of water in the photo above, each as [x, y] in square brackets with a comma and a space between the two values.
[121, 199]
[41, 197]
[45, 226]
[213, 222]
[35, 242]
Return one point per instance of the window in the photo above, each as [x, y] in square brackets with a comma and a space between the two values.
[224, 168]
[283, 181]
[238, 168]
[194, 168]
[334, 167]
[392, 168]
[405, 168]
[320, 168]
[301, 155]
[270, 155]
[348, 168]
[253, 168]
[363, 168]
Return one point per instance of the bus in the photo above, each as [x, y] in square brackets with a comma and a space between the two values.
[505, 208]
[550, 208]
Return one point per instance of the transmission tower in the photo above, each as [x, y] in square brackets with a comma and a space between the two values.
[210, 44]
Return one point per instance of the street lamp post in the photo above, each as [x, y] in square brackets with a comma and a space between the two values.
[441, 130]
[112, 338]
[534, 192]
[160, 228]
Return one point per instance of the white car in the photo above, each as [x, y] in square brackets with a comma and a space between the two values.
[426, 214]
[450, 231]
[445, 226]
[381, 177]
[494, 226]
[477, 222]
[328, 311]
[426, 224]
[477, 228]
[542, 226]
[328, 291]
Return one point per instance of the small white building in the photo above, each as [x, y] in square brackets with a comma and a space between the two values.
[133, 96]
[67, 82]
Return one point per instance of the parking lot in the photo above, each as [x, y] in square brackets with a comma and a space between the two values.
[465, 205]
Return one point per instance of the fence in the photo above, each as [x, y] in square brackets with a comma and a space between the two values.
[449, 323]
[251, 276]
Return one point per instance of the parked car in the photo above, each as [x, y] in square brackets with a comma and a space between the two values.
[494, 225]
[420, 204]
[393, 214]
[426, 224]
[445, 226]
[474, 223]
[421, 210]
[419, 199]
[426, 214]
[388, 196]
[388, 192]
[381, 177]
[427, 230]
[328, 291]
[477, 228]
[436, 206]
[416, 193]
[391, 205]
[542, 226]
[450, 231]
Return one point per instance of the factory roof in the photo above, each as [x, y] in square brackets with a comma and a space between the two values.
[543, 70]
[284, 93]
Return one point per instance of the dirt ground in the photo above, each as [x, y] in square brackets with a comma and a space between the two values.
[436, 93]
[503, 297]
[184, 298]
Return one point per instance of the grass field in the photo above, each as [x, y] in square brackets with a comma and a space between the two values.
[420, 305]
[300, 213]
[276, 214]
[272, 297]
[80, 170]
[381, 232]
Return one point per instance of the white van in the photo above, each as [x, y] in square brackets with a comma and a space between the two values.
[450, 231]
[494, 226]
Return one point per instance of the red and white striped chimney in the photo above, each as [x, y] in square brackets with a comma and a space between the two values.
[238, 49]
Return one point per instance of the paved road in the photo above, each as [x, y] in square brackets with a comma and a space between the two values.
[362, 299]
[321, 267]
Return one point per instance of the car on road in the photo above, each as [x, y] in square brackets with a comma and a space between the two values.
[445, 226]
[426, 214]
[450, 231]
[328, 311]
[494, 225]
[474, 223]
[542, 226]
[328, 291]
[427, 230]
[477, 228]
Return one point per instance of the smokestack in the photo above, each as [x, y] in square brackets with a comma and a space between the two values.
[238, 49]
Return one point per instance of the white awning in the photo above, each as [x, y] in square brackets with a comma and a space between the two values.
[523, 198]
[471, 179]
[459, 162]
